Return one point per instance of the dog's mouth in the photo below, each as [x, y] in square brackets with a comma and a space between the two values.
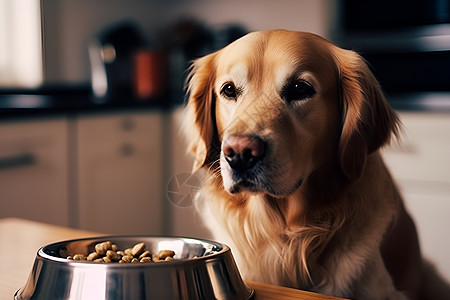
[257, 180]
[245, 181]
[244, 185]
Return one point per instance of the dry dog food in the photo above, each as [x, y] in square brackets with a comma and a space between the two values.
[107, 252]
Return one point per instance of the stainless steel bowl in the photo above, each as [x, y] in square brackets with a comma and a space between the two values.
[202, 269]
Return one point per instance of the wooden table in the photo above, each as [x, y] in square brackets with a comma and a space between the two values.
[20, 239]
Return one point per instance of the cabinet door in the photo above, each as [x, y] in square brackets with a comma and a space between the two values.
[33, 170]
[185, 221]
[120, 173]
[423, 151]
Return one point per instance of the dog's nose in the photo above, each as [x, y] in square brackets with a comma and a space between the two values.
[242, 152]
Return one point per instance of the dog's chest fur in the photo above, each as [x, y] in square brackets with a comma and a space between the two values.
[313, 256]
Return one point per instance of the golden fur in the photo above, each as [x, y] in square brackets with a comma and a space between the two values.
[323, 213]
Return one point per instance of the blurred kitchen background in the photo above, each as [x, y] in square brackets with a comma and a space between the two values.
[91, 94]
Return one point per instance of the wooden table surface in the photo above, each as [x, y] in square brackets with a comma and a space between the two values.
[20, 239]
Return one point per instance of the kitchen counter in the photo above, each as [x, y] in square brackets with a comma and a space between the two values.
[68, 101]
[20, 239]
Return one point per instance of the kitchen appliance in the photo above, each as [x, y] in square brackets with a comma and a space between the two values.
[406, 43]
[111, 57]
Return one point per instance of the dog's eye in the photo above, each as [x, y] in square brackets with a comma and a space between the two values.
[229, 91]
[296, 90]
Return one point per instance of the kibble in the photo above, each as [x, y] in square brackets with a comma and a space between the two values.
[79, 257]
[93, 256]
[101, 248]
[127, 258]
[146, 259]
[166, 253]
[138, 249]
[107, 252]
[113, 256]
[146, 253]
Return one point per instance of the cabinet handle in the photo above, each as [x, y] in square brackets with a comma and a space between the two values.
[127, 149]
[19, 160]
[128, 124]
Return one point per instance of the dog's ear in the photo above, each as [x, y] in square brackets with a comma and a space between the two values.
[368, 122]
[201, 107]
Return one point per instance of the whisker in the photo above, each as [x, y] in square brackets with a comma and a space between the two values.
[214, 168]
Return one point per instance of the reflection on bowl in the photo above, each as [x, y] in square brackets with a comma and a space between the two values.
[201, 269]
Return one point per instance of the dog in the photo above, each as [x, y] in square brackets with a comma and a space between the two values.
[287, 129]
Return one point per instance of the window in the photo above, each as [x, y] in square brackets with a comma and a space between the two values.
[21, 60]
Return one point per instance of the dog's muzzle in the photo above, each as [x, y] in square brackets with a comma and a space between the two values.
[242, 157]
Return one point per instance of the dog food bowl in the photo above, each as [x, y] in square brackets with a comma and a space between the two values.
[201, 269]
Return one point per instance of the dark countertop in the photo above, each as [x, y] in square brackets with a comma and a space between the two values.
[70, 101]
[421, 101]
[45, 102]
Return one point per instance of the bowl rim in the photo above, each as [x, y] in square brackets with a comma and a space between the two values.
[42, 254]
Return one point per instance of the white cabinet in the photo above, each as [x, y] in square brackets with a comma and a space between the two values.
[34, 170]
[185, 219]
[423, 152]
[119, 161]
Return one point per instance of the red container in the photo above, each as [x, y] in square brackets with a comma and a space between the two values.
[149, 74]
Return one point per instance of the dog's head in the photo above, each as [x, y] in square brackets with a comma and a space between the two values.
[275, 106]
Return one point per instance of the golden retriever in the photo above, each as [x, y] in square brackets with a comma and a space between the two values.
[287, 128]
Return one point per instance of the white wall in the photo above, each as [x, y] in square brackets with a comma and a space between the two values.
[306, 15]
[68, 25]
